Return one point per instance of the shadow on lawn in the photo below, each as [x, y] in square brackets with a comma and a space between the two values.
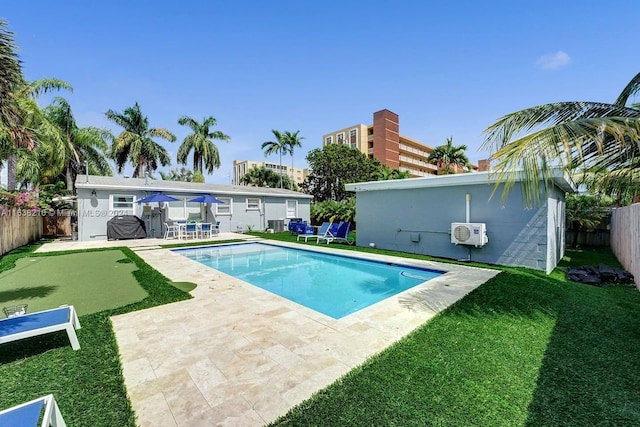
[588, 374]
[26, 293]
[34, 346]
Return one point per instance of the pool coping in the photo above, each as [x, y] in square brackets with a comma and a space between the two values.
[237, 354]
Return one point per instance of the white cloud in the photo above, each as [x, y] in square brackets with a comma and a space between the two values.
[553, 61]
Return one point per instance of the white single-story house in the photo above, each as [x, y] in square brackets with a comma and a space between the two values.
[456, 216]
[100, 198]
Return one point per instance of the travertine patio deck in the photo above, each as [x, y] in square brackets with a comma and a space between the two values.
[238, 355]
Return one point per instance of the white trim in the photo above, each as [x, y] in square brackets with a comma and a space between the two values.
[253, 206]
[120, 210]
[227, 206]
[295, 209]
[338, 135]
[472, 178]
[328, 140]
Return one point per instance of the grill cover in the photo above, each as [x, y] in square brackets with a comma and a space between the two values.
[126, 227]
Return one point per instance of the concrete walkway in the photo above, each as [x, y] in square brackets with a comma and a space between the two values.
[237, 355]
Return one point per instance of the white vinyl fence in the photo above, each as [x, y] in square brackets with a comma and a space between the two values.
[625, 238]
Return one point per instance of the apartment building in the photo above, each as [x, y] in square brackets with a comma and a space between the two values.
[382, 140]
[240, 167]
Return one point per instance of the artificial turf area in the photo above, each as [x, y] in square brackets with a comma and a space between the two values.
[90, 281]
[88, 383]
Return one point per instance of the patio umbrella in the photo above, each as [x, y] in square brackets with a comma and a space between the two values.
[157, 197]
[206, 198]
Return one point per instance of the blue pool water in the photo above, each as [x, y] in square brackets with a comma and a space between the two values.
[331, 284]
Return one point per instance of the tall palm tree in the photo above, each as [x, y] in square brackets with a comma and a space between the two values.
[448, 155]
[293, 140]
[10, 78]
[35, 144]
[280, 146]
[200, 141]
[569, 136]
[80, 144]
[135, 143]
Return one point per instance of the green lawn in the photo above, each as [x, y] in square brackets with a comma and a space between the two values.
[523, 349]
[90, 281]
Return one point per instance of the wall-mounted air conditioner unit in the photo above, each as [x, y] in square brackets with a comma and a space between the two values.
[469, 233]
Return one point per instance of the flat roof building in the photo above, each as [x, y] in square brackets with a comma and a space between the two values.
[241, 167]
[382, 141]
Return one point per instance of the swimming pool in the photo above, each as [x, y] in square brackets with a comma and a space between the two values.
[330, 284]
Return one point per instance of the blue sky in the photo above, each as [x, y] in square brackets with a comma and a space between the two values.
[447, 68]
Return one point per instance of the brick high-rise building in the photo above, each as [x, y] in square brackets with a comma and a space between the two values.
[382, 140]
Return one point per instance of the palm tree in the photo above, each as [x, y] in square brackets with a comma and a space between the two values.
[175, 174]
[35, 146]
[80, 144]
[10, 79]
[448, 155]
[280, 146]
[135, 143]
[263, 177]
[292, 140]
[200, 141]
[569, 136]
[386, 173]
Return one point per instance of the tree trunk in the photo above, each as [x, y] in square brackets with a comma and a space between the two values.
[69, 177]
[12, 165]
[280, 169]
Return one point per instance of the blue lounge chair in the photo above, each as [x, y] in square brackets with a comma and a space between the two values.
[341, 235]
[322, 231]
[42, 322]
[28, 414]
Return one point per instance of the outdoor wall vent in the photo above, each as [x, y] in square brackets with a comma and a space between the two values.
[468, 233]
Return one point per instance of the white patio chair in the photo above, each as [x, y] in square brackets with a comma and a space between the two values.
[171, 229]
[39, 323]
[206, 230]
[28, 414]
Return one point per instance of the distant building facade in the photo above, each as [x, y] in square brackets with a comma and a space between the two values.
[382, 141]
[241, 167]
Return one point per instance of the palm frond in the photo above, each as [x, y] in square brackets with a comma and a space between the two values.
[630, 89]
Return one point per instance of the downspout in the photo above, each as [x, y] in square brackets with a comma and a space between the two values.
[468, 203]
[468, 220]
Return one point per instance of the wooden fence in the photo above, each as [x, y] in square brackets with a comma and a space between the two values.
[588, 238]
[18, 227]
[625, 238]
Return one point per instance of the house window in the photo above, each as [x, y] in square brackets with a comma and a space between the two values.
[120, 204]
[292, 209]
[226, 207]
[340, 138]
[328, 140]
[183, 209]
[253, 204]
